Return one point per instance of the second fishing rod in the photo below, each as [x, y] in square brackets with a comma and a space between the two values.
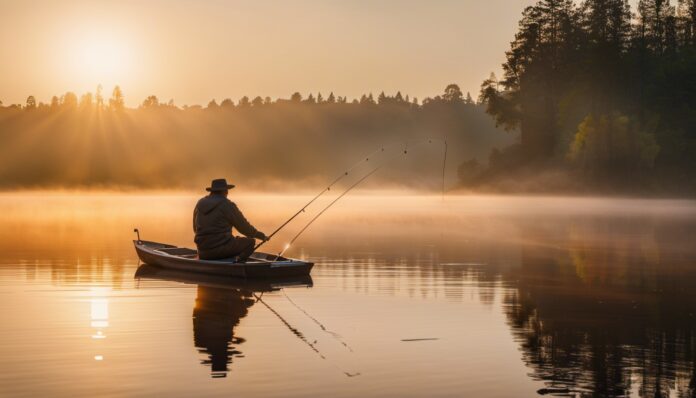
[328, 188]
[404, 150]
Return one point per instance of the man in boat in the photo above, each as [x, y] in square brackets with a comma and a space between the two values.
[213, 220]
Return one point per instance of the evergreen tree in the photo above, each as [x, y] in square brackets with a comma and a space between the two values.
[69, 100]
[468, 100]
[654, 23]
[535, 75]
[116, 102]
[31, 102]
[86, 101]
[99, 98]
[686, 22]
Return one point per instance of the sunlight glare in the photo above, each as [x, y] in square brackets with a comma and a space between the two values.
[102, 58]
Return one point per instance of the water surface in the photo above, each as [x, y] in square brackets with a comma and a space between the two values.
[411, 296]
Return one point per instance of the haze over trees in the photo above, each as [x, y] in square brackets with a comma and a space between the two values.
[603, 94]
[595, 96]
[90, 140]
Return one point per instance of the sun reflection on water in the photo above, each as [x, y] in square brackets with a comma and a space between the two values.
[99, 315]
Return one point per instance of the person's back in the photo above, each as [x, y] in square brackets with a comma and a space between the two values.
[213, 220]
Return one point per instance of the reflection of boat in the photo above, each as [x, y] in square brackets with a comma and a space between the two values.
[221, 303]
[147, 271]
[259, 265]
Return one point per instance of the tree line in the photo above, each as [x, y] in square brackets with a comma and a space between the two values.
[96, 101]
[600, 91]
[96, 140]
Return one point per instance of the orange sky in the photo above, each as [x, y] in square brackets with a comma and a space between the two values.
[193, 51]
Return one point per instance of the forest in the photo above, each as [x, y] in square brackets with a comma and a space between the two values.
[603, 98]
[96, 141]
[595, 97]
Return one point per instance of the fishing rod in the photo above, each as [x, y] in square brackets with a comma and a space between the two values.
[287, 246]
[328, 188]
[373, 171]
[339, 178]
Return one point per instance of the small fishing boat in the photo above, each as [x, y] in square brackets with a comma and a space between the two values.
[152, 272]
[259, 264]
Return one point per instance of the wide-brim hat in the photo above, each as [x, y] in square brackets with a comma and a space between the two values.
[219, 185]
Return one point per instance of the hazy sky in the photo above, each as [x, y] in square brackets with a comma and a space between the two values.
[193, 51]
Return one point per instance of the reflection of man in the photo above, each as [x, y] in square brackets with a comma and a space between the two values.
[216, 313]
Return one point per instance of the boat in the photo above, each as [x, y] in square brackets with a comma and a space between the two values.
[152, 272]
[258, 265]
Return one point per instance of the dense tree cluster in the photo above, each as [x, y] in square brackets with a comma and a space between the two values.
[92, 140]
[602, 90]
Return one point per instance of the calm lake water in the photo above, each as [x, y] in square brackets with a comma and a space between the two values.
[411, 296]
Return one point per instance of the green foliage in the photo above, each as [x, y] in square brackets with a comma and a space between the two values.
[614, 93]
[613, 142]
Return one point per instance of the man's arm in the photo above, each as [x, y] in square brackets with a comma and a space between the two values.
[240, 223]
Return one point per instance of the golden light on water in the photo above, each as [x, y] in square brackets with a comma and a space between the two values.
[99, 316]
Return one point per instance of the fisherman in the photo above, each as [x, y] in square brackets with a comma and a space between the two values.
[213, 220]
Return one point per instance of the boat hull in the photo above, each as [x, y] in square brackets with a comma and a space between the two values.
[260, 265]
[258, 285]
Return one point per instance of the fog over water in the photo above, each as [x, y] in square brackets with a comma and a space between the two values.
[412, 295]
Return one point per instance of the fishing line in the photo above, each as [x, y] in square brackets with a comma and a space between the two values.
[301, 336]
[327, 208]
[373, 171]
[294, 330]
[334, 334]
[343, 175]
[327, 189]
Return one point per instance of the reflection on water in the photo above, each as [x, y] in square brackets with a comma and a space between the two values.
[609, 319]
[220, 304]
[216, 313]
[474, 296]
[99, 316]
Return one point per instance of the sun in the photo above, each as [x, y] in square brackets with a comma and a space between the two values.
[101, 58]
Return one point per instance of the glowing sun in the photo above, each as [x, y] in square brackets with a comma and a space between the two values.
[101, 58]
